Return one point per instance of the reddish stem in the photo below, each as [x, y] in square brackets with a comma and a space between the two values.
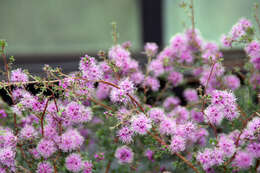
[42, 117]
[108, 166]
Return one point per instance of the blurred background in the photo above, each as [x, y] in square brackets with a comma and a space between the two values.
[58, 32]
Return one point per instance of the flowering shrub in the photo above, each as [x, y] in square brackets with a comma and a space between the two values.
[113, 116]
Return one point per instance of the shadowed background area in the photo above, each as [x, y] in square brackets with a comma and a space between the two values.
[59, 32]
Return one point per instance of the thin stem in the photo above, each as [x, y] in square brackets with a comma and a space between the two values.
[42, 116]
[255, 15]
[238, 139]
[166, 86]
[108, 166]
[192, 20]
[161, 141]
[204, 101]
[101, 104]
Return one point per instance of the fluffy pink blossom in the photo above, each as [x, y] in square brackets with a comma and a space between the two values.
[3, 113]
[78, 113]
[214, 114]
[206, 158]
[175, 78]
[120, 94]
[70, 140]
[170, 102]
[44, 167]
[177, 144]
[141, 124]
[226, 41]
[152, 83]
[243, 160]
[191, 95]
[7, 156]
[180, 113]
[156, 67]
[151, 49]
[167, 126]
[46, 148]
[232, 81]
[124, 154]
[74, 163]
[87, 167]
[227, 145]
[125, 134]
[197, 115]
[121, 57]
[89, 68]
[18, 76]
[28, 132]
[156, 114]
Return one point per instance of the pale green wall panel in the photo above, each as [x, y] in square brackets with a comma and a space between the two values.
[212, 17]
[67, 26]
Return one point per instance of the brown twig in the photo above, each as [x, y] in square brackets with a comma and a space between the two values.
[158, 139]
[238, 139]
[204, 101]
[42, 116]
[24, 157]
[101, 104]
[256, 17]
[9, 87]
[108, 166]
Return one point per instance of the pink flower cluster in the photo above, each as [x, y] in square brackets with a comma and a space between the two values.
[223, 105]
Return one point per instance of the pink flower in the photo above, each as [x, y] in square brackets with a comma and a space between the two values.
[141, 124]
[232, 81]
[89, 68]
[254, 149]
[70, 140]
[214, 114]
[175, 78]
[177, 144]
[87, 167]
[197, 115]
[137, 77]
[125, 134]
[28, 132]
[206, 158]
[74, 163]
[191, 95]
[151, 49]
[3, 113]
[45, 167]
[170, 102]
[243, 160]
[46, 148]
[156, 114]
[149, 154]
[18, 76]
[7, 156]
[77, 113]
[50, 132]
[124, 154]
[167, 126]
[120, 57]
[226, 41]
[227, 145]
[156, 67]
[120, 94]
[180, 113]
[99, 156]
[152, 83]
